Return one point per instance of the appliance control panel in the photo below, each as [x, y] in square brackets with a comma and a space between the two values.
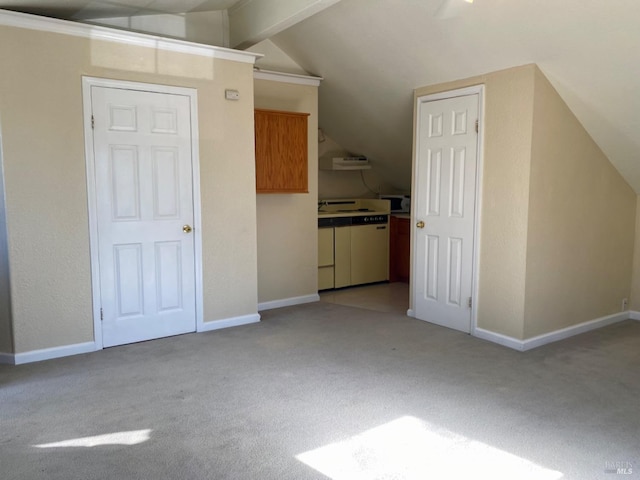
[324, 222]
[369, 220]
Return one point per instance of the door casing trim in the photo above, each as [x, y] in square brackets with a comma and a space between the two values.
[192, 94]
[475, 276]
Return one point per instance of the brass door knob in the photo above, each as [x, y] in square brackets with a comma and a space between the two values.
[420, 224]
[187, 228]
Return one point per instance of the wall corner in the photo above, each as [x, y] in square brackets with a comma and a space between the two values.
[634, 300]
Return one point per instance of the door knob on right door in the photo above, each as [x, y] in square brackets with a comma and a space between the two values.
[420, 224]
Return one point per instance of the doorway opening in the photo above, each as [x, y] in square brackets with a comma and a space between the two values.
[392, 297]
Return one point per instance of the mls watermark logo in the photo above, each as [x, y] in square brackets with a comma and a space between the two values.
[619, 468]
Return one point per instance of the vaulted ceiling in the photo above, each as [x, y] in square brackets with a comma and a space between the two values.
[373, 53]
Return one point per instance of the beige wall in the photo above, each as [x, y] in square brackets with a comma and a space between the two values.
[581, 222]
[505, 195]
[634, 301]
[287, 223]
[44, 162]
[557, 219]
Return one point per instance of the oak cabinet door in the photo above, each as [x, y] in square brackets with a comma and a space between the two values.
[281, 152]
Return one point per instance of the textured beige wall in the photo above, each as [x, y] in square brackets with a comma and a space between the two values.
[505, 188]
[581, 222]
[41, 105]
[287, 223]
[634, 301]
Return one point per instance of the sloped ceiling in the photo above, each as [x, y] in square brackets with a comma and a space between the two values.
[372, 54]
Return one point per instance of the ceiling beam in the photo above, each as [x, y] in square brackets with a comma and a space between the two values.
[252, 21]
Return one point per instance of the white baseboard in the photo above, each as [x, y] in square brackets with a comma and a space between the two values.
[288, 302]
[67, 350]
[411, 313]
[229, 322]
[521, 345]
[7, 359]
[574, 330]
[533, 342]
[498, 338]
[55, 352]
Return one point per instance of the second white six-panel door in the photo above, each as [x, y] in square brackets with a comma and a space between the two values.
[446, 167]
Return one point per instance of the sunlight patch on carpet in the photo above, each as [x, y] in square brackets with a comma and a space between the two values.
[410, 449]
[133, 437]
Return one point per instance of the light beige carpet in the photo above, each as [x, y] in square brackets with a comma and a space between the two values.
[328, 391]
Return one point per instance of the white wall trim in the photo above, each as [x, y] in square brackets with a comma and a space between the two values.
[95, 32]
[533, 342]
[633, 315]
[197, 208]
[475, 279]
[459, 92]
[260, 74]
[7, 359]
[55, 352]
[287, 302]
[574, 330]
[229, 322]
[79, 348]
[498, 338]
[192, 94]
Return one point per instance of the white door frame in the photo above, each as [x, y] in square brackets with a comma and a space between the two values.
[473, 90]
[192, 94]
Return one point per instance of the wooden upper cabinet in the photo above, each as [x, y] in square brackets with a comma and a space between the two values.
[281, 152]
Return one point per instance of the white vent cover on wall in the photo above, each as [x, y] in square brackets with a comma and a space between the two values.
[345, 163]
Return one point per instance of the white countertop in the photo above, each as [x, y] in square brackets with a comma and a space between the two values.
[353, 207]
[351, 214]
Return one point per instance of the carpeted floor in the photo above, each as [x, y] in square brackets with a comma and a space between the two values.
[328, 391]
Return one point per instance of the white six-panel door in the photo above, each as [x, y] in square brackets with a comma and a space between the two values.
[145, 213]
[444, 204]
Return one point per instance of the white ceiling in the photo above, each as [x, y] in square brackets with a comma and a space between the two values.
[373, 53]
